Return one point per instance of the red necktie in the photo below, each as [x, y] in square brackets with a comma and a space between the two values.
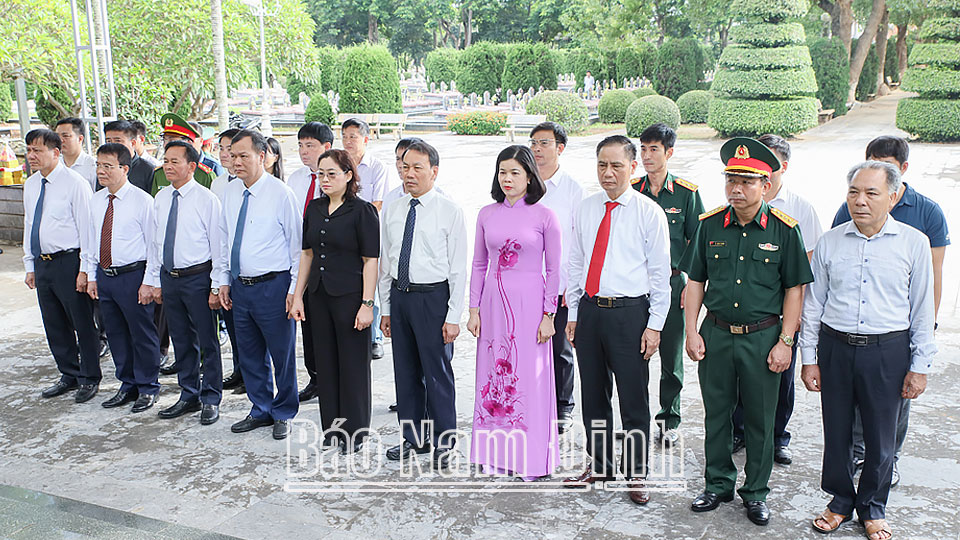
[313, 186]
[599, 252]
[106, 236]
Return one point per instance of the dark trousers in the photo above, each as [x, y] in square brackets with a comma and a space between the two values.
[608, 344]
[68, 319]
[196, 342]
[870, 377]
[563, 361]
[781, 437]
[341, 360]
[98, 320]
[162, 333]
[265, 334]
[421, 364]
[130, 331]
[903, 422]
[306, 330]
[227, 316]
[671, 358]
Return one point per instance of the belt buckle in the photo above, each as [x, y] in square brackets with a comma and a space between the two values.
[112, 272]
[174, 273]
[46, 257]
[857, 340]
[605, 301]
[738, 329]
[246, 281]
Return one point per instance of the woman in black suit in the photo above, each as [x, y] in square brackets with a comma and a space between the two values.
[338, 268]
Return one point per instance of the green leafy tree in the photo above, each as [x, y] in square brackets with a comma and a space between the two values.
[831, 63]
[369, 82]
[680, 67]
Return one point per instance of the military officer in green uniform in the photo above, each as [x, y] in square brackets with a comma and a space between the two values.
[176, 128]
[753, 258]
[683, 206]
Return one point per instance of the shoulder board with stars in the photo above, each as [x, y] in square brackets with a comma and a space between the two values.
[205, 168]
[713, 212]
[782, 216]
[684, 183]
[636, 180]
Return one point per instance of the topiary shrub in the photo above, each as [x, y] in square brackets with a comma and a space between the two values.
[680, 67]
[442, 65]
[891, 66]
[694, 106]
[481, 68]
[529, 65]
[6, 102]
[650, 110]
[319, 110]
[629, 63]
[331, 63]
[768, 35]
[644, 91]
[942, 28]
[867, 84]
[752, 58]
[477, 123]
[613, 105]
[944, 55]
[564, 108]
[932, 82]
[771, 11]
[369, 82]
[832, 67]
[750, 117]
[934, 120]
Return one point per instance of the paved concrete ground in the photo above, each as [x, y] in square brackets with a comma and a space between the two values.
[206, 478]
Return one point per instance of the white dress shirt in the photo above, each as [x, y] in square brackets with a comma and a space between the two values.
[438, 252]
[64, 223]
[133, 227]
[272, 233]
[563, 196]
[637, 261]
[219, 184]
[801, 210]
[198, 232]
[870, 286]
[299, 182]
[374, 179]
[85, 166]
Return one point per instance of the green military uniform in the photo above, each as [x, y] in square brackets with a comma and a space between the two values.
[683, 206]
[747, 268]
[174, 124]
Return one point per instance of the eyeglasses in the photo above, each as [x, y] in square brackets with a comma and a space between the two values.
[330, 174]
[106, 166]
[542, 143]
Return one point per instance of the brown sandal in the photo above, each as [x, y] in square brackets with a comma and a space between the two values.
[876, 526]
[832, 519]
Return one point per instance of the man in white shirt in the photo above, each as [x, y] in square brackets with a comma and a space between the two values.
[619, 296]
[867, 341]
[70, 131]
[184, 264]
[121, 236]
[56, 224]
[547, 141]
[423, 277]
[262, 229]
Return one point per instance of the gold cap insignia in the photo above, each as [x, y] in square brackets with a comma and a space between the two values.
[742, 152]
[168, 123]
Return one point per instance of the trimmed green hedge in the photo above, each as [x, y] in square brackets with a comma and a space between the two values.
[694, 106]
[528, 65]
[650, 110]
[613, 105]
[648, 60]
[442, 65]
[770, 10]
[935, 54]
[369, 82]
[935, 120]
[769, 35]
[582, 60]
[644, 91]
[477, 123]
[948, 6]
[319, 110]
[331, 64]
[831, 63]
[749, 58]
[932, 82]
[947, 28]
[732, 117]
[564, 108]
[680, 67]
[481, 68]
[629, 63]
[761, 84]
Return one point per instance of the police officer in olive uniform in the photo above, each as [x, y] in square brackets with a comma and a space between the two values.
[175, 128]
[753, 257]
[682, 204]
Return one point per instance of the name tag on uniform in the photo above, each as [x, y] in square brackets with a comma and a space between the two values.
[715, 243]
[768, 247]
[672, 210]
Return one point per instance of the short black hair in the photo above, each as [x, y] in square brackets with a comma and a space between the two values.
[425, 148]
[316, 130]
[357, 123]
[256, 138]
[628, 146]
[140, 127]
[229, 134]
[559, 133]
[536, 189]
[193, 155]
[73, 122]
[778, 144]
[48, 137]
[888, 146]
[660, 133]
[122, 126]
[120, 151]
[405, 143]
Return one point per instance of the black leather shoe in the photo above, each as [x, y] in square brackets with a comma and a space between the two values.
[209, 414]
[233, 381]
[757, 512]
[708, 501]
[564, 421]
[393, 407]
[309, 392]
[351, 447]
[57, 389]
[120, 398]
[242, 389]
[104, 348]
[144, 402]
[85, 392]
[280, 429]
[782, 455]
[441, 458]
[178, 409]
[250, 423]
[168, 366]
[406, 449]
[738, 445]
[377, 351]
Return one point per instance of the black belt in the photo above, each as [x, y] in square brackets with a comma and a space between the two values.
[674, 272]
[190, 270]
[738, 329]
[115, 271]
[862, 340]
[52, 256]
[261, 278]
[421, 287]
[617, 301]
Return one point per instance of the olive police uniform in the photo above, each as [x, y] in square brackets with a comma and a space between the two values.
[204, 174]
[683, 206]
[747, 267]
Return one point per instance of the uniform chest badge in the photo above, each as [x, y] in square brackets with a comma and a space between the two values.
[769, 247]
[672, 210]
[715, 243]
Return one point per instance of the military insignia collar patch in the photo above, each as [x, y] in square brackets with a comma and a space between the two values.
[672, 210]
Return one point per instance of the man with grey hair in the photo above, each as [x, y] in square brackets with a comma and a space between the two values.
[867, 341]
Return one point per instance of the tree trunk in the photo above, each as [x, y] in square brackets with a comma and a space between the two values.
[863, 46]
[844, 28]
[468, 27]
[373, 28]
[901, 49]
[183, 96]
[220, 66]
[883, 31]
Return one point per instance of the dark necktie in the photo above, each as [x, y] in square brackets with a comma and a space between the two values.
[170, 238]
[313, 187]
[238, 236]
[37, 214]
[106, 235]
[403, 263]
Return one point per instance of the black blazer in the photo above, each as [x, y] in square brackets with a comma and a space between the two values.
[339, 242]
